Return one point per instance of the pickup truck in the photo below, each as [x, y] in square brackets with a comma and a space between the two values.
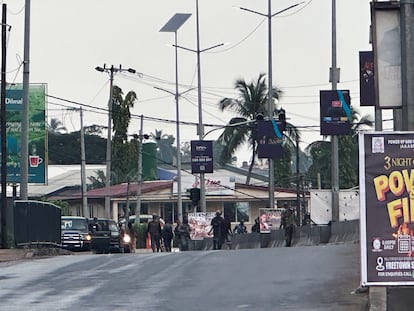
[75, 234]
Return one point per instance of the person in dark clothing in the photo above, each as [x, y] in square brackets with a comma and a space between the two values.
[216, 227]
[176, 241]
[240, 228]
[227, 232]
[184, 231]
[256, 226]
[288, 223]
[167, 235]
[154, 229]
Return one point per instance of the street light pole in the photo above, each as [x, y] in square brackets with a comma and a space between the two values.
[172, 26]
[200, 113]
[335, 144]
[270, 104]
[270, 107]
[200, 129]
[111, 70]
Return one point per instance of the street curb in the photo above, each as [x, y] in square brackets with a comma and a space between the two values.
[377, 298]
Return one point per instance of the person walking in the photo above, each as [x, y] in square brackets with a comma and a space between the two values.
[167, 235]
[216, 228]
[256, 226]
[154, 230]
[288, 223]
[176, 239]
[227, 232]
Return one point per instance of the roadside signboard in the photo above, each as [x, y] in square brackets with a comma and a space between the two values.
[201, 156]
[200, 224]
[335, 112]
[387, 208]
[269, 219]
[269, 139]
[37, 133]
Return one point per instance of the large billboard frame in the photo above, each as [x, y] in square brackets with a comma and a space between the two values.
[387, 208]
[386, 42]
[37, 135]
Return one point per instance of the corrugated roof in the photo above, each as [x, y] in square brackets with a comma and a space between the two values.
[120, 190]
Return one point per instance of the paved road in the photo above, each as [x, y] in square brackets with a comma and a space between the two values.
[317, 278]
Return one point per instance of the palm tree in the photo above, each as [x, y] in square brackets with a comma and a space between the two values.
[56, 126]
[253, 100]
[166, 151]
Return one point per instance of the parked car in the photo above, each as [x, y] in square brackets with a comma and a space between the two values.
[75, 234]
[106, 237]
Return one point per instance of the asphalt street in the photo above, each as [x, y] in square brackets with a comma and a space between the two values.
[311, 278]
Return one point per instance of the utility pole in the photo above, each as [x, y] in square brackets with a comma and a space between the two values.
[3, 131]
[172, 26]
[334, 77]
[200, 114]
[111, 70]
[200, 126]
[24, 164]
[83, 168]
[297, 184]
[270, 106]
[139, 177]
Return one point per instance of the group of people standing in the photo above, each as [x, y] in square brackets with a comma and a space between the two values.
[162, 236]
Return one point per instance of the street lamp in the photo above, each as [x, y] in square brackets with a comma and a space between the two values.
[269, 16]
[200, 130]
[172, 26]
[111, 70]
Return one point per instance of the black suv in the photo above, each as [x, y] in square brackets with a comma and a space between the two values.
[106, 237]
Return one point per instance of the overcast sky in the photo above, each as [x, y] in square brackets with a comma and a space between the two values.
[69, 39]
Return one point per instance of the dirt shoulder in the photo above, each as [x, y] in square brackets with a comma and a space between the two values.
[15, 254]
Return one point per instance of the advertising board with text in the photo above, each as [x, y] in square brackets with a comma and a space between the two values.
[37, 133]
[335, 112]
[387, 208]
[201, 156]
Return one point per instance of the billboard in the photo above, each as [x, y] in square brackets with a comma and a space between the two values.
[335, 110]
[200, 224]
[201, 156]
[387, 51]
[37, 139]
[387, 208]
[269, 219]
[366, 78]
[269, 139]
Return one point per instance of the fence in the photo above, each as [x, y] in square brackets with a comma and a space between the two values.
[36, 222]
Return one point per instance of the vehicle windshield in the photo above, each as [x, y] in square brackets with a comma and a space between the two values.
[113, 227]
[74, 224]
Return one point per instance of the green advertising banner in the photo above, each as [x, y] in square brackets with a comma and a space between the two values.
[37, 133]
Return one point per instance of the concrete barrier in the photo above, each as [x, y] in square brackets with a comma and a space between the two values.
[345, 231]
[336, 232]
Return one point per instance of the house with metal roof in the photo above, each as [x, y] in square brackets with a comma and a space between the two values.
[225, 190]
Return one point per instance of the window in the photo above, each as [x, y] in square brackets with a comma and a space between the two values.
[169, 212]
[132, 208]
[237, 211]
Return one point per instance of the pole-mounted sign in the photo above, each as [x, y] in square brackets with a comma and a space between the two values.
[201, 156]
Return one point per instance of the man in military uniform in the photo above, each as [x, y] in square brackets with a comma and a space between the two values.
[288, 223]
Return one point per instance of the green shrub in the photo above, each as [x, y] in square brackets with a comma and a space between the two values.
[140, 235]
